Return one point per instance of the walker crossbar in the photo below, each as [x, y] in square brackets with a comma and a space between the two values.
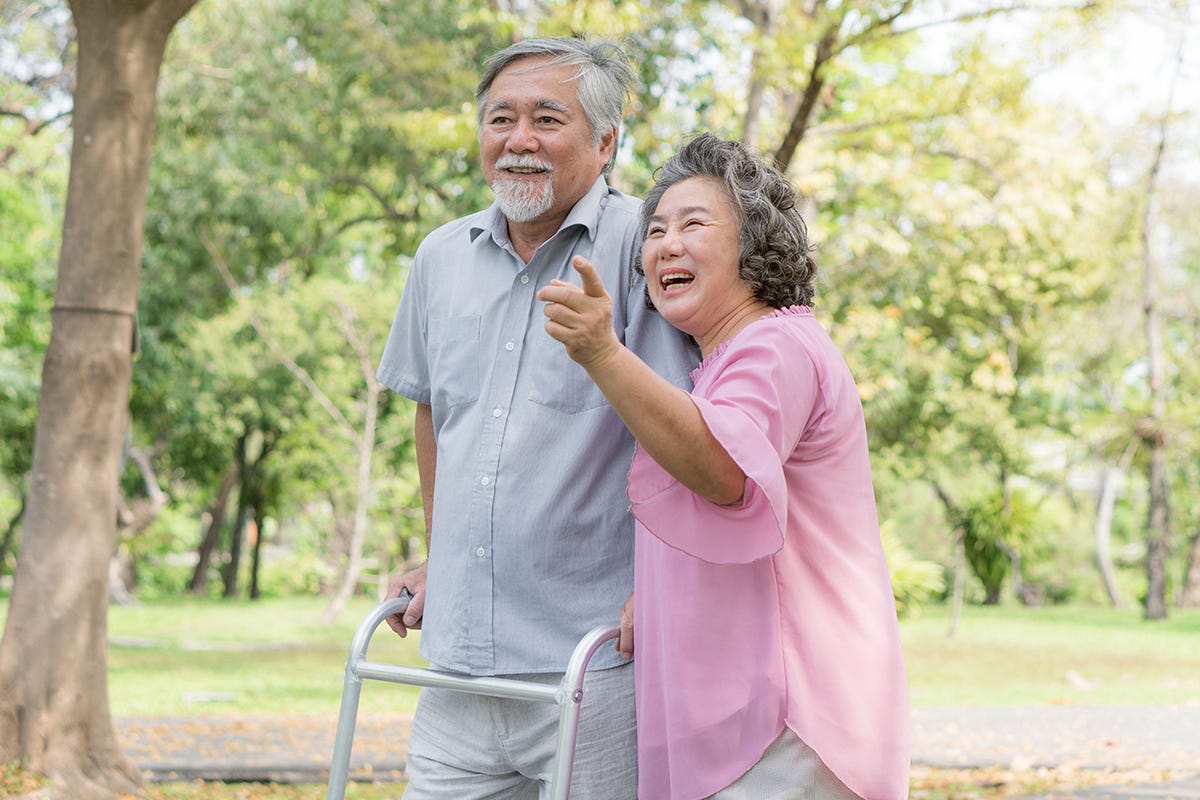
[568, 694]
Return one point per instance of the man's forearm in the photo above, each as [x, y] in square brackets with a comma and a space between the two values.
[426, 447]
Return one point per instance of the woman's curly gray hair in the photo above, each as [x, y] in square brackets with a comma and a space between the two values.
[776, 258]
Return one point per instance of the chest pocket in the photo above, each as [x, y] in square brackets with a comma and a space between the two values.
[454, 360]
[557, 381]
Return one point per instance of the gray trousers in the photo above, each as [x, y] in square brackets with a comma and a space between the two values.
[473, 747]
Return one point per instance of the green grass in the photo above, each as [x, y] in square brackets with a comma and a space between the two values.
[1013, 656]
[195, 657]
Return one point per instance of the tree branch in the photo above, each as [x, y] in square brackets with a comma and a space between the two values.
[344, 426]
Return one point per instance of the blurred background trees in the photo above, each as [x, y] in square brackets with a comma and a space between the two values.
[978, 179]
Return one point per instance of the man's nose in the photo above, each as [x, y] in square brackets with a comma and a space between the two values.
[523, 137]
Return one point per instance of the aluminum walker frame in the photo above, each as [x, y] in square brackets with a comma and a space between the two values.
[568, 694]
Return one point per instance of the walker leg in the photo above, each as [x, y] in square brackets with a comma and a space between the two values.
[339, 768]
[568, 729]
[570, 701]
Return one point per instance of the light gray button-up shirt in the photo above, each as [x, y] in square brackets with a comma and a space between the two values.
[532, 540]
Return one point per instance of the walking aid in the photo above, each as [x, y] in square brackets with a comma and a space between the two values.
[568, 694]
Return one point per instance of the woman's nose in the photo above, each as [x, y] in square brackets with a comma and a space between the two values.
[670, 243]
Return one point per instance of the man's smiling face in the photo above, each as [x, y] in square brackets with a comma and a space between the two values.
[537, 150]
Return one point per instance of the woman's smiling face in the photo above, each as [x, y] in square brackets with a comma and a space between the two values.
[690, 258]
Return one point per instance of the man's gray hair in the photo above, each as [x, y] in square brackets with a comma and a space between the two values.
[605, 78]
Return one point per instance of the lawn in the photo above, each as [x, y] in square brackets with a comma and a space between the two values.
[212, 657]
[1031, 656]
[240, 658]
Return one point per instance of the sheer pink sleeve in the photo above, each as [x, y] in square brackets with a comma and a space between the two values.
[756, 401]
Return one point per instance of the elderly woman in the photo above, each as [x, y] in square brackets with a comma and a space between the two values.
[768, 652]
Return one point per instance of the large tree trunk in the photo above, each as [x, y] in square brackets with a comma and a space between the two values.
[54, 712]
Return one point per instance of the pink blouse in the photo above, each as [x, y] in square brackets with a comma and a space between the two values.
[777, 611]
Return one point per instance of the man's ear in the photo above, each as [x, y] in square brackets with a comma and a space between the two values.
[608, 143]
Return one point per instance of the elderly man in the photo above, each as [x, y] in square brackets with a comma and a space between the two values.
[522, 462]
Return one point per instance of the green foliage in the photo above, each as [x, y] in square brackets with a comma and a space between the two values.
[914, 582]
[996, 528]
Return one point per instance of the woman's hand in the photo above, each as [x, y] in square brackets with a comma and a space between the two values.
[625, 640]
[581, 318]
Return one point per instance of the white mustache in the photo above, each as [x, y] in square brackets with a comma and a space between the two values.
[523, 162]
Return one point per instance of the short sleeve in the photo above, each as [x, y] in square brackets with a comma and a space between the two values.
[404, 365]
[757, 406]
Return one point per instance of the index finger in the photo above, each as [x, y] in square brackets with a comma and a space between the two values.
[592, 285]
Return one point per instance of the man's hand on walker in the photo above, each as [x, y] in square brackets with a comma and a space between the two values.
[414, 583]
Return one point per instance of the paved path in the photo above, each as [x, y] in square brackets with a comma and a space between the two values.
[1158, 740]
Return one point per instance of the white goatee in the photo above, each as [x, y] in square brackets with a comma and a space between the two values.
[520, 200]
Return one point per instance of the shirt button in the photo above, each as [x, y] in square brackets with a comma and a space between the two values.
[524, 279]
[509, 346]
[485, 480]
[480, 551]
[496, 412]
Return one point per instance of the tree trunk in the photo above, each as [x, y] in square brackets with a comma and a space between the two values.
[1156, 537]
[1157, 520]
[1190, 596]
[54, 712]
[249, 497]
[960, 577]
[801, 120]
[208, 542]
[1106, 501]
[10, 532]
[366, 449]
[763, 16]
[256, 560]
[229, 573]
[132, 519]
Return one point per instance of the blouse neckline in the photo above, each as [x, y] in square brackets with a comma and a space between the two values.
[719, 350]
